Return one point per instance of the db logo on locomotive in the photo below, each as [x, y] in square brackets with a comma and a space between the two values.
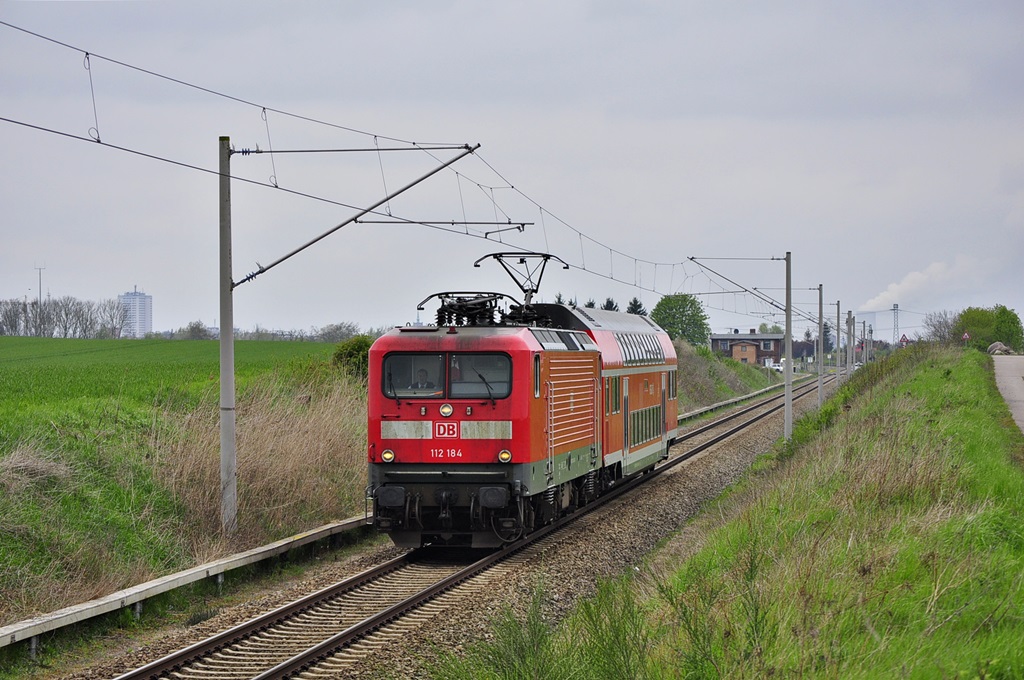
[446, 430]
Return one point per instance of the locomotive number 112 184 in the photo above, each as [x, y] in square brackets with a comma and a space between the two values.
[446, 453]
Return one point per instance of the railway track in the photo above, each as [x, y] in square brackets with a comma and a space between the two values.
[320, 635]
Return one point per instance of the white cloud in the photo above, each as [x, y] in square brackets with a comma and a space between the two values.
[937, 281]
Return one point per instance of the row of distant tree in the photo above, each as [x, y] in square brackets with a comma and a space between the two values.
[976, 327]
[69, 317]
[633, 307]
[63, 317]
[335, 332]
[681, 315]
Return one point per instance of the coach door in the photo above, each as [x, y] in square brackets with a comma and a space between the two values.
[597, 451]
[549, 390]
[663, 424]
[625, 423]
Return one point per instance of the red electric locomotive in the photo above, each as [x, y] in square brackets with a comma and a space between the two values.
[491, 423]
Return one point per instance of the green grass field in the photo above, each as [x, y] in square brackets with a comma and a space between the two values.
[91, 436]
[41, 378]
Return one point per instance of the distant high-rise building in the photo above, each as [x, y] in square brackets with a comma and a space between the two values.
[139, 314]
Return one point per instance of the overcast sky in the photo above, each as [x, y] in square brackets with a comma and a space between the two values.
[881, 143]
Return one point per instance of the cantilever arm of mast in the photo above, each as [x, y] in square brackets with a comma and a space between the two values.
[418, 147]
[514, 225]
[261, 269]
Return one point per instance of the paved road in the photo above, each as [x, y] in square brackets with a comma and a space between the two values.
[1010, 379]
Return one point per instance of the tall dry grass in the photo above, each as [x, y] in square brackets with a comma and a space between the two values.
[300, 461]
[77, 527]
[28, 465]
[72, 571]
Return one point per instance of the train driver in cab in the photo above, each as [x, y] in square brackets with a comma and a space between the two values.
[422, 383]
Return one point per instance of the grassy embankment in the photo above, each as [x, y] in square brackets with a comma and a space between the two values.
[887, 541]
[705, 378]
[109, 459]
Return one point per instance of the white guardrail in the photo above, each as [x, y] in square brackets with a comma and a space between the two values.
[725, 404]
[29, 629]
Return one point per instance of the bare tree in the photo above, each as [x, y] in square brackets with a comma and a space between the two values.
[112, 316]
[47, 319]
[939, 326]
[10, 317]
[336, 332]
[87, 321]
[64, 311]
[36, 323]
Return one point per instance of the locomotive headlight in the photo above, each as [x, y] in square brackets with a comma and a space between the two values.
[387, 455]
[446, 410]
[505, 456]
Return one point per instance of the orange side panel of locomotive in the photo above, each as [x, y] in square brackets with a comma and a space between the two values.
[567, 416]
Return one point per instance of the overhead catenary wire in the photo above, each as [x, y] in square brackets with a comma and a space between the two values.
[350, 220]
[171, 161]
[425, 147]
[200, 88]
[410, 145]
[754, 292]
[198, 168]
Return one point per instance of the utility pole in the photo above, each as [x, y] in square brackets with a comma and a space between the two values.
[788, 428]
[839, 377]
[39, 309]
[850, 324]
[821, 346]
[864, 341]
[228, 454]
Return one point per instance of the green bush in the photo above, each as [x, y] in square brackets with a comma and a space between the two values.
[353, 355]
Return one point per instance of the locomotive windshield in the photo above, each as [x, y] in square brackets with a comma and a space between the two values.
[454, 375]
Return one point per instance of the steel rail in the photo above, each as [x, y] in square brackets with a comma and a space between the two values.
[335, 643]
[806, 389]
[175, 661]
[704, 446]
